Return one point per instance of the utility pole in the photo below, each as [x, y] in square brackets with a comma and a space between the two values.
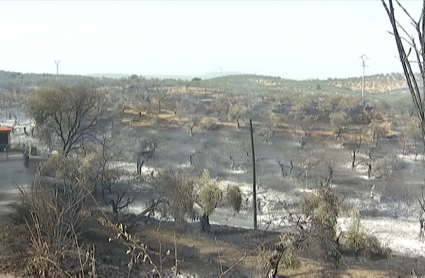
[57, 68]
[254, 179]
[221, 71]
[364, 58]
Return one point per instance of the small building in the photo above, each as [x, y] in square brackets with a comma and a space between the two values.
[4, 138]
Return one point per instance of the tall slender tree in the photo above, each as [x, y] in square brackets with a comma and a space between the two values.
[417, 44]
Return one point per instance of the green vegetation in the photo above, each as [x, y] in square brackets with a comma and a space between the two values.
[361, 243]
[73, 114]
[210, 194]
[179, 196]
[234, 197]
[323, 209]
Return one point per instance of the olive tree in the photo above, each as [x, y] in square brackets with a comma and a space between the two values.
[353, 143]
[236, 113]
[219, 108]
[208, 197]
[182, 194]
[374, 156]
[377, 131]
[74, 115]
[144, 151]
[410, 136]
[338, 120]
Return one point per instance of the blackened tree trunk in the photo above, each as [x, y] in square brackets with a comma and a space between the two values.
[205, 223]
[139, 166]
[191, 158]
[369, 170]
[282, 171]
[26, 159]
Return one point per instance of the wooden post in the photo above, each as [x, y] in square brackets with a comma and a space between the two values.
[254, 187]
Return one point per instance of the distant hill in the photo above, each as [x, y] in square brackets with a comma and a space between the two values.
[379, 83]
[108, 75]
[218, 74]
[167, 76]
[249, 83]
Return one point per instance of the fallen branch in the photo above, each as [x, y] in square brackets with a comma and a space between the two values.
[146, 211]
[219, 257]
[233, 265]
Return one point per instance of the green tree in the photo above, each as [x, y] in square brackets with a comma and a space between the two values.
[234, 197]
[410, 135]
[353, 144]
[318, 87]
[74, 115]
[237, 112]
[376, 130]
[208, 197]
[338, 120]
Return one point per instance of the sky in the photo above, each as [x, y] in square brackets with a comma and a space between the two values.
[290, 39]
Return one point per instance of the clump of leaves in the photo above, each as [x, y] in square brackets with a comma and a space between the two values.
[237, 112]
[184, 199]
[58, 165]
[208, 124]
[210, 194]
[290, 258]
[179, 196]
[287, 259]
[322, 209]
[337, 120]
[361, 243]
[64, 167]
[92, 164]
[234, 197]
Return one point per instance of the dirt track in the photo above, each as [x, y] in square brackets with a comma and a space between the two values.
[12, 171]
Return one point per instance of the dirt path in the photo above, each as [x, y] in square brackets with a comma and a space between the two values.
[12, 171]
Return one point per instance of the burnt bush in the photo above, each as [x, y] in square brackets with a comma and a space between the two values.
[54, 212]
[362, 244]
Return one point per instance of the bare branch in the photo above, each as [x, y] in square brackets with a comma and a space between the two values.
[415, 92]
[233, 265]
[407, 13]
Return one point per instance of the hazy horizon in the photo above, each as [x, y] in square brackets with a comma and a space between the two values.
[290, 39]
